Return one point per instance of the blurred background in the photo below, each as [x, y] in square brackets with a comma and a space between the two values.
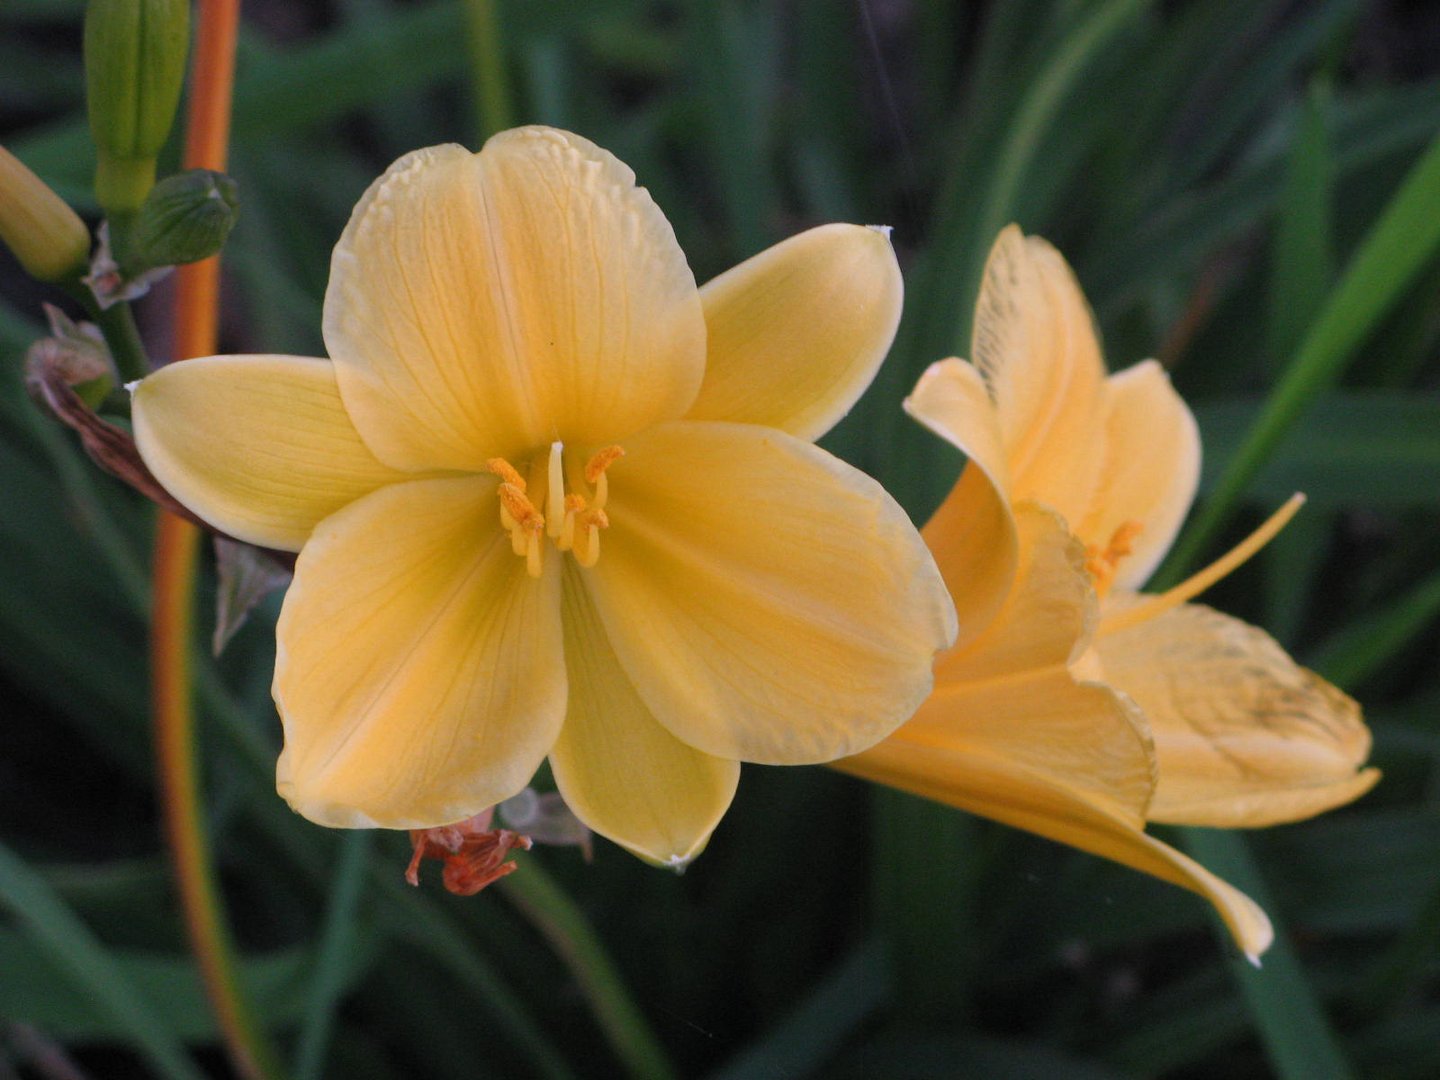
[1242, 190]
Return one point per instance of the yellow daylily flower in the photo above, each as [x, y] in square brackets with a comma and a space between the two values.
[521, 364]
[1074, 706]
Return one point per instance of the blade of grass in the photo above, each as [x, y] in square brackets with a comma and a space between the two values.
[552, 912]
[1282, 1002]
[1396, 248]
[1357, 651]
[337, 939]
[1303, 257]
[76, 951]
[801, 1043]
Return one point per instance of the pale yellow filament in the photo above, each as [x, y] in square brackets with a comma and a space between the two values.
[1193, 586]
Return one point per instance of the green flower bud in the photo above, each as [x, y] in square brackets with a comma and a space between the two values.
[134, 67]
[185, 218]
[47, 237]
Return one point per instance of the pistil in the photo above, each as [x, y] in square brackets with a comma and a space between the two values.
[1191, 587]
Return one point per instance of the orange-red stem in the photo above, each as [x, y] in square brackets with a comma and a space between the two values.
[176, 548]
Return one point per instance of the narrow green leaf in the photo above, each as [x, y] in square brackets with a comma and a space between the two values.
[1283, 1004]
[1354, 653]
[1266, 63]
[35, 988]
[338, 938]
[1396, 248]
[801, 1043]
[1351, 448]
[924, 879]
[1303, 266]
[75, 950]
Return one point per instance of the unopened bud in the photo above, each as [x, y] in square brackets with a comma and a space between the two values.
[185, 218]
[47, 237]
[134, 67]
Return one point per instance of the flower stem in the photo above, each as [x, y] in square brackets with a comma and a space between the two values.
[556, 916]
[117, 323]
[176, 549]
[487, 68]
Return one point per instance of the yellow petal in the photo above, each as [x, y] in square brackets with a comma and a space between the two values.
[258, 446]
[623, 774]
[419, 670]
[972, 534]
[1244, 736]
[796, 333]
[1151, 469]
[769, 602]
[1005, 791]
[486, 304]
[1049, 614]
[1011, 692]
[1035, 344]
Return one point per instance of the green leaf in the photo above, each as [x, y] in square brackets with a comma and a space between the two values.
[1304, 252]
[1396, 248]
[38, 990]
[1350, 448]
[801, 1043]
[63, 941]
[1283, 1004]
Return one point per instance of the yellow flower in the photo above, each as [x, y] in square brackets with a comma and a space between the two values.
[500, 326]
[1073, 706]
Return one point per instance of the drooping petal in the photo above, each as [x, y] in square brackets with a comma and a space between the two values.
[486, 304]
[1151, 469]
[972, 534]
[1011, 693]
[259, 446]
[769, 602]
[1008, 792]
[1035, 343]
[623, 774]
[419, 670]
[796, 333]
[1244, 736]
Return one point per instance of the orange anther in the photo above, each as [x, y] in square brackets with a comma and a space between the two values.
[503, 469]
[512, 498]
[601, 461]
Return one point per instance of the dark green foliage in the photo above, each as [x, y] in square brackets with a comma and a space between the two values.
[1211, 170]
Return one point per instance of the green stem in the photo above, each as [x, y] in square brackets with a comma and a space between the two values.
[562, 923]
[117, 323]
[487, 68]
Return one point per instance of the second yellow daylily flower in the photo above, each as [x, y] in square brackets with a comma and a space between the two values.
[1074, 707]
[550, 498]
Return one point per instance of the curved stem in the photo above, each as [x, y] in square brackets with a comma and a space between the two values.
[176, 549]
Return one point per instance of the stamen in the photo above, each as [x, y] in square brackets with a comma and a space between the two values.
[1193, 586]
[572, 521]
[1102, 565]
[521, 509]
[574, 504]
[595, 473]
[503, 469]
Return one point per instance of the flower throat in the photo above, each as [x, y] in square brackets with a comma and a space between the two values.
[572, 520]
